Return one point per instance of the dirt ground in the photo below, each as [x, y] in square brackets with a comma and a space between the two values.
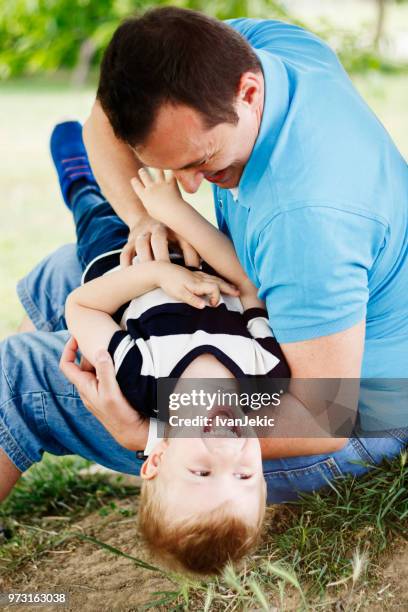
[98, 581]
[393, 594]
[95, 579]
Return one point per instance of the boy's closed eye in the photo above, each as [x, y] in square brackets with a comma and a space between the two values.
[205, 473]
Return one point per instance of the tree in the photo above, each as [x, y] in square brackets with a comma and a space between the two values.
[46, 35]
[381, 20]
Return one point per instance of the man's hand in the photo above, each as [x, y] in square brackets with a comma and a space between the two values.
[149, 239]
[102, 396]
[150, 236]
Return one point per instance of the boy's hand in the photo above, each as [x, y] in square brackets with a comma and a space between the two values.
[156, 192]
[188, 286]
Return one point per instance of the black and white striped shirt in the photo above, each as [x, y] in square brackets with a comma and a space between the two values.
[161, 336]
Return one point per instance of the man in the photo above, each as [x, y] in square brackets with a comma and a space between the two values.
[269, 116]
[307, 183]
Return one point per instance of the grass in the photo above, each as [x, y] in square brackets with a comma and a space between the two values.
[52, 495]
[323, 549]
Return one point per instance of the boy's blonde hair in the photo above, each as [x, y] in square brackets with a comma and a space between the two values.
[202, 544]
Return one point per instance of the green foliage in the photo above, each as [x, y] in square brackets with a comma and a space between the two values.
[46, 35]
[42, 36]
[356, 51]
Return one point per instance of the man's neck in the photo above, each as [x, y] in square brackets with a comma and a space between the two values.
[260, 109]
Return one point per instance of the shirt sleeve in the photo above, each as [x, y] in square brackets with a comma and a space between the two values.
[287, 40]
[127, 360]
[152, 438]
[258, 326]
[313, 266]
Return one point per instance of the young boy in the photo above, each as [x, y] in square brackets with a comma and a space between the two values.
[202, 499]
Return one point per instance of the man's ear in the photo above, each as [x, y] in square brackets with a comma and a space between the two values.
[250, 88]
[151, 466]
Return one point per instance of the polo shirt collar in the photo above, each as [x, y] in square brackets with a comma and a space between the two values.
[276, 104]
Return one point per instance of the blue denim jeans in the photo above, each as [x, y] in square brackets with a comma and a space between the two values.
[41, 411]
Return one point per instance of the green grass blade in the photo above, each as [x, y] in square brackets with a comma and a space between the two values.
[259, 594]
[119, 553]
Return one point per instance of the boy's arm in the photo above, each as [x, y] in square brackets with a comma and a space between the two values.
[89, 308]
[162, 198]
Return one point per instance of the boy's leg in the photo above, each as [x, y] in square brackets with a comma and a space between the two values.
[99, 230]
[44, 290]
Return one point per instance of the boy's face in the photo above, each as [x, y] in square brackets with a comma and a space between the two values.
[201, 474]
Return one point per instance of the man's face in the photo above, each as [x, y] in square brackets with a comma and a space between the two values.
[181, 142]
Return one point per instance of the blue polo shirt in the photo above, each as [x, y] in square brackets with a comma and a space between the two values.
[321, 220]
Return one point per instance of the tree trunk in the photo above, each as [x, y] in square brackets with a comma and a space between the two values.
[379, 30]
[83, 66]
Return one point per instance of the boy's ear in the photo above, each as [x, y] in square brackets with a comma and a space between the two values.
[151, 466]
[149, 469]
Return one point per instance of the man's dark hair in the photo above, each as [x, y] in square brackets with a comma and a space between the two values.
[171, 55]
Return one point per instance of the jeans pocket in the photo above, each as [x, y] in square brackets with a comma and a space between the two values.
[285, 484]
[362, 451]
[400, 434]
[385, 447]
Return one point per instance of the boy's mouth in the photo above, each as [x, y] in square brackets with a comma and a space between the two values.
[222, 424]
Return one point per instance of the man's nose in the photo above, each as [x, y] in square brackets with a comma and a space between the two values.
[190, 180]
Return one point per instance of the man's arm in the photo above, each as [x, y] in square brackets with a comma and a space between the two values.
[330, 358]
[114, 163]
